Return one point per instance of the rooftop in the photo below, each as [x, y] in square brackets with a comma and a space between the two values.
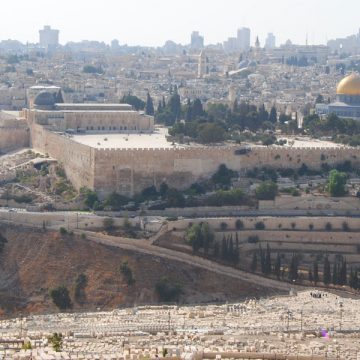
[157, 139]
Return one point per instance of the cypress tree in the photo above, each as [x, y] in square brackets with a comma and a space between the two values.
[327, 271]
[335, 274]
[311, 277]
[262, 260]
[293, 271]
[268, 260]
[277, 268]
[316, 272]
[343, 273]
[273, 115]
[149, 107]
[254, 262]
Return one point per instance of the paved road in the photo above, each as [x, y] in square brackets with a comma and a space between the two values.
[146, 247]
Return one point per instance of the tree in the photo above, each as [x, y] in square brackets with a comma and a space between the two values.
[149, 107]
[210, 133]
[90, 198]
[167, 290]
[294, 268]
[224, 175]
[273, 115]
[80, 285]
[277, 267]
[336, 183]
[343, 273]
[126, 271]
[108, 223]
[3, 241]
[310, 276]
[207, 236]
[335, 274]
[327, 271]
[61, 298]
[316, 272]
[239, 225]
[197, 109]
[174, 198]
[134, 101]
[254, 262]
[56, 340]
[319, 99]
[175, 104]
[266, 191]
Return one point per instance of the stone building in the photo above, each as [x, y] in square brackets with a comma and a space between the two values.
[347, 104]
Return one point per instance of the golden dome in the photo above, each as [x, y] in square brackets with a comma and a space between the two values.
[349, 85]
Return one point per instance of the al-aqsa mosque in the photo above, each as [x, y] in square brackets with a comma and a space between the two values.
[347, 104]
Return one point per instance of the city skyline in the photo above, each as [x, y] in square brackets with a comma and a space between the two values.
[295, 20]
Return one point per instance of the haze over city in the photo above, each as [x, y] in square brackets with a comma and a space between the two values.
[151, 23]
[180, 180]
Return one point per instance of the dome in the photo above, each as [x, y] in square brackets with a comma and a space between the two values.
[349, 85]
[44, 98]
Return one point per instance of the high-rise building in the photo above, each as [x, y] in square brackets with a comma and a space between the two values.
[197, 41]
[243, 39]
[48, 38]
[270, 41]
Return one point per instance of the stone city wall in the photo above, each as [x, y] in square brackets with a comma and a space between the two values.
[77, 159]
[13, 138]
[273, 223]
[311, 202]
[128, 171]
[14, 133]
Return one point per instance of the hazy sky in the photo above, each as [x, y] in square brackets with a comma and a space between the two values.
[152, 22]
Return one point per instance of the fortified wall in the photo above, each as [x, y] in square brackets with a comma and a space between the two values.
[77, 159]
[128, 171]
[14, 133]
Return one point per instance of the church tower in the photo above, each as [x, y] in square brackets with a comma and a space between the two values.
[202, 65]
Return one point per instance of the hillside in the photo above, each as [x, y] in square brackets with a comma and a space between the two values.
[34, 261]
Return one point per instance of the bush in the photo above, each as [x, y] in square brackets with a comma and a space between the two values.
[345, 226]
[63, 231]
[253, 239]
[56, 340]
[108, 223]
[27, 199]
[61, 298]
[328, 226]
[266, 191]
[239, 224]
[223, 226]
[127, 273]
[116, 201]
[80, 285]
[260, 225]
[167, 290]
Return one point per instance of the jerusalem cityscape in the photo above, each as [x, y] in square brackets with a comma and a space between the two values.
[180, 180]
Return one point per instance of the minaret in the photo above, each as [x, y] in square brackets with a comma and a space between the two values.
[202, 64]
[257, 43]
[257, 48]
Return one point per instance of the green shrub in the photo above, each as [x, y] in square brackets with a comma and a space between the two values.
[260, 225]
[239, 225]
[167, 290]
[63, 231]
[127, 273]
[61, 298]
